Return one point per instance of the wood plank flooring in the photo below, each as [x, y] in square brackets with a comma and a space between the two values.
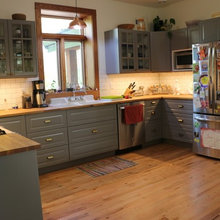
[168, 183]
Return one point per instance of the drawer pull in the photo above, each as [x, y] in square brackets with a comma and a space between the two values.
[153, 103]
[153, 113]
[47, 121]
[48, 139]
[180, 120]
[180, 106]
[50, 157]
[95, 131]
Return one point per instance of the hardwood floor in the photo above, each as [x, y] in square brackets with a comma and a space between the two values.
[168, 183]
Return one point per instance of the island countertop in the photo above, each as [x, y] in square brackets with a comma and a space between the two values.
[11, 143]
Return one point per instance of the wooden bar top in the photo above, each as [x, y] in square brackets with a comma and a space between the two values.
[11, 143]
[17, 112]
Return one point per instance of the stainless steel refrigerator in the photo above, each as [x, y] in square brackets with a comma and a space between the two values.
[206, 99]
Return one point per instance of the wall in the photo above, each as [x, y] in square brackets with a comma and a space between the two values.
[109, 14]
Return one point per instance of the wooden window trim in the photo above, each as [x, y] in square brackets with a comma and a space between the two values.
[82, 12]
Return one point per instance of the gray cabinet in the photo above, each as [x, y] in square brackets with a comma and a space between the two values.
[160, 51]
[209, 30]
[178, 120]
[50, 130]
[18, 56]
[127, 51]
[92, 131]
[15, 124]
[4, 49]
[193, 35]
[153, 120]
[179, 39]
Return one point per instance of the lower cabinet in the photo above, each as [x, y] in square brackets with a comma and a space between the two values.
[15, 124]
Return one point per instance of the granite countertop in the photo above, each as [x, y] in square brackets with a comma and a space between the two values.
[17, 112]
[12, 143]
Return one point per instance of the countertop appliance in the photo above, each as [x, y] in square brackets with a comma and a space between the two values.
[182, 60]
[206, 99]
[39, 94]
[133, 134]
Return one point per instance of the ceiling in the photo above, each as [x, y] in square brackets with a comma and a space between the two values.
[151, 3]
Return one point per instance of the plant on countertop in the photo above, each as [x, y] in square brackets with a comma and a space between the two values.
[160, 25]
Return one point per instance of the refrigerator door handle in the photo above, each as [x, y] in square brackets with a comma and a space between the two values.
[205, 119]
[210, 88]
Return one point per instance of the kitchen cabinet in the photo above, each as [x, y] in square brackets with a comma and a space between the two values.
[18, 56]
[92, 131]
[153, 119]
[160, 51]
[50, 130]
[15, 124]
[4, 49]
[209, 30]
[178, 120]
[127, 51]
[193, 35]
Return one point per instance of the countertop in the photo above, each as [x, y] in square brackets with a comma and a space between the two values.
[17, 112]
[12, 143]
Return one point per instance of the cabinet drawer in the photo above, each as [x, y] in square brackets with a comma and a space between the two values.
[51, 138]
[15, 124]
[181, 106]
[91, 114]
[152, 104]
[153, 131]
[51, 157]
[153, 114]
[88, 148]
[92, 131]
[45, 121]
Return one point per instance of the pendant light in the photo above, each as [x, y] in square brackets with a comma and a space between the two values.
[77, 22]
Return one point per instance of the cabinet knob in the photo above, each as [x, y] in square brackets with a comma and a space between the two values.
[180, 120]
[153, 103]
[50, 157]
[94, 131]
[48, 139]
[47, 121]
[180, 106]
[153, 113]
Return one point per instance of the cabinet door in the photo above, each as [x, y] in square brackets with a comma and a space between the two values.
[160, 51]
[22, 48]
[208, 30]
[15, 124]
[142, 51]
[126, 50]
[193, 35]
[4, 52]
[179, 39]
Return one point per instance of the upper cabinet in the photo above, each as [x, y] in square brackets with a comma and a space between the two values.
[184, 38]
[17, 49]
[209, 30]
[127, 51]
[4, 49]
[160, 51]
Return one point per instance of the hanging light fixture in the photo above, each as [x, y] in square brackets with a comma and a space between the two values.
[77, 22]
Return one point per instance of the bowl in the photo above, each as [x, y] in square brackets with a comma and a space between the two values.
[126, 26]
[18, 16]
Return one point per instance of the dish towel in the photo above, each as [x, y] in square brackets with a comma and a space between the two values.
[133, 114]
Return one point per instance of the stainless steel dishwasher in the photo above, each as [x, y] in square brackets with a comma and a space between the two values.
[130, 135]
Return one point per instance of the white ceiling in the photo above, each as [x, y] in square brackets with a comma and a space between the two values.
[151, 3]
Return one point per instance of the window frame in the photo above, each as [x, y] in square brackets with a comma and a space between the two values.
[81, 12]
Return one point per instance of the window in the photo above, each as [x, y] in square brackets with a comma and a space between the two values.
[68, 58]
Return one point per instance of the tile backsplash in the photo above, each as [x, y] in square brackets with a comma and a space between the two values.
[11, 90]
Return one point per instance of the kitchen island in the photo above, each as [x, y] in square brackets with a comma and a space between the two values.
[19, 186]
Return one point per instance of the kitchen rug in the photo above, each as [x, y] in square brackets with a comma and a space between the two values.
[105, 166]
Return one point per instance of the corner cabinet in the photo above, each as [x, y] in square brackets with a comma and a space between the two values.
[127, 51]
[18, 56]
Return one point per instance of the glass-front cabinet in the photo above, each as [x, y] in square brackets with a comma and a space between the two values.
[17, 49]
[22, 43]
[127, 51]
[4, 51]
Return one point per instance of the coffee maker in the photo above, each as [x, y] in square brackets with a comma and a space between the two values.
[39, 94]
